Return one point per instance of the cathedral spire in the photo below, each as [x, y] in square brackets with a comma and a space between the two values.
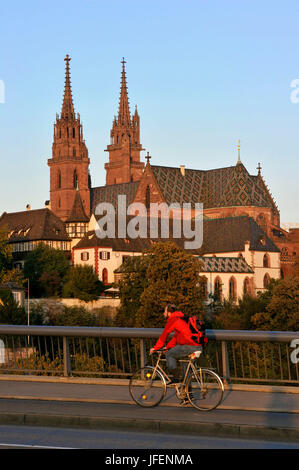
[124, 118]
[67, 105]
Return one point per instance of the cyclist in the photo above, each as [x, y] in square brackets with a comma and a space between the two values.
[180, 345]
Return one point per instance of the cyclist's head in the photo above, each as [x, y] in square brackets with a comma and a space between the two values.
[170, 308]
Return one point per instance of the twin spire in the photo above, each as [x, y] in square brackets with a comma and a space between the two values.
[124, 117]
[67, 105]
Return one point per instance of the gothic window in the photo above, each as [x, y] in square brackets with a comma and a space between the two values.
[59, 202]
[74, 151]
[59, 179]
[218, 288]
[74, 133]
[266, 280]
[75, 179]
[246, 286]
[105, 276]
[204, 288]
[266, 261]
[232, 288]
[147, 197]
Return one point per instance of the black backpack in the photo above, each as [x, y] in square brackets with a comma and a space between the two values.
[197, 328]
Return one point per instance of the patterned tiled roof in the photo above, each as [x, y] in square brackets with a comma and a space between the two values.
[222, 187]
[225, 265]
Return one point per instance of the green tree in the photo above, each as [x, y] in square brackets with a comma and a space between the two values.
[5, 253]
[164, 274]
[238, 316]
[282, 312]
[46, 268]
[82, 283]
[10, 312]
[131, 286]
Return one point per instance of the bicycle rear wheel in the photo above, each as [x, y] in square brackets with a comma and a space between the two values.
[204, 389]
[147, 387]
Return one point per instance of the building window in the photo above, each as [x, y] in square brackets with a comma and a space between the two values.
[246, 287]
[147, 197]
[105, 276]
[59, 179]
[75, 179]
[204, 288]
[218, 288]
[74, 152]
[266, 280]
[85, 256]
[232, 288]
[104, 255]
[266, 261]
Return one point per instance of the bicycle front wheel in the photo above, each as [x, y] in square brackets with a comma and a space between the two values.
[147, 387]
[204, 389]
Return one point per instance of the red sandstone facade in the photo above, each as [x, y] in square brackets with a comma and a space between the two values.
[124, 150]
[69, 163]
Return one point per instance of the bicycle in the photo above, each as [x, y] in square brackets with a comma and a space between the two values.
[203, 387]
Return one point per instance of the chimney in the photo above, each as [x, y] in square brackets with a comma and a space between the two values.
[182, 168]
[28, 207]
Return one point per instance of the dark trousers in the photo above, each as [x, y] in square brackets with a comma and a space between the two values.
[179, 352]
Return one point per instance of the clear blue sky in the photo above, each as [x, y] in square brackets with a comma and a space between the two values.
[203, 74]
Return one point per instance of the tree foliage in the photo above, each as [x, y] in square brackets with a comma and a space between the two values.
[282, 311]
[164, 274]
[46, 268]
[10, 312]
[82, 283]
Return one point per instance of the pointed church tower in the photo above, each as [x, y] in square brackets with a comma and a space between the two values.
[69, 163]
[124, 149]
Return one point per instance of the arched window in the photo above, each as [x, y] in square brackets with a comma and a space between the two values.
[266, 280]
[246, 286]
[59, 202]
[74, 133]
[75, 179]
[74, 151]
[204, 288]
[218, 288]
[105, 276]
[58, 179]
[147, 197]
[266, 261]
[232, 288]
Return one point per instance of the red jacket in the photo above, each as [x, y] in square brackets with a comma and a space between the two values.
[182, 333]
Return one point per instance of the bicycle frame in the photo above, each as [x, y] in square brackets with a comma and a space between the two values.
[165, 376]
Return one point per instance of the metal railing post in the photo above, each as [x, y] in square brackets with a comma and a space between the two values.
[66, 357]
[142, 353]
[225, 362]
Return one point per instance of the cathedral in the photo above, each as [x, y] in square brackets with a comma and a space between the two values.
[242, 232]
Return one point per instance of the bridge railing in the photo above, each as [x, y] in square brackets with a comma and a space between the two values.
[238, 355]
